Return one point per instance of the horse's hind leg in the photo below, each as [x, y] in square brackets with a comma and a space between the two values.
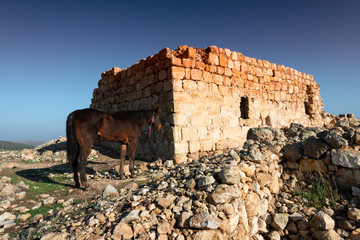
[122, 160]
[82, 163]
[76, 173]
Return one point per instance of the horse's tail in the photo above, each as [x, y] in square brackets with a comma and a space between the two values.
[72, 144]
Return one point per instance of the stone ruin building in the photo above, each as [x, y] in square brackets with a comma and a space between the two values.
[209, 99]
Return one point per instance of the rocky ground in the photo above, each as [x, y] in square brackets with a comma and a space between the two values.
[295, 183]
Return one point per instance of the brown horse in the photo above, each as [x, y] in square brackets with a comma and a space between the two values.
[85, 125]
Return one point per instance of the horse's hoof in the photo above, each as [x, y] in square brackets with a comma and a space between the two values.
[77, 186]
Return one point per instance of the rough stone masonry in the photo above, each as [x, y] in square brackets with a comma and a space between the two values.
[209, 99]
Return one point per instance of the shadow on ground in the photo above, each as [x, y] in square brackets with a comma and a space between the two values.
[42, 175]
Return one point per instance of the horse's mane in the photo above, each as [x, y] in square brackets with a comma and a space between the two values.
[141, 116]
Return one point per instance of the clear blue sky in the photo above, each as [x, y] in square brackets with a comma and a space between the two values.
[53, 52]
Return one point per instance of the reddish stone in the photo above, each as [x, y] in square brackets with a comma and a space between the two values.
[188, 63]
[223, 61]
[196, 74]
[212, 59]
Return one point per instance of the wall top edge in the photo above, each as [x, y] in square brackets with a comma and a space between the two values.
[205, 55]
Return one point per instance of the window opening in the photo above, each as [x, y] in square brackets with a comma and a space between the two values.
[307, 108]
[244, 108]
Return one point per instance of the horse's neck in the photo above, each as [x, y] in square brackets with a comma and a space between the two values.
[143, 118]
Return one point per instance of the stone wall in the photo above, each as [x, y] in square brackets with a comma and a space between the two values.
[209, 98]
[142, 86]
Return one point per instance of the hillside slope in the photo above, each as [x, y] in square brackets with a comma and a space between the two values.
[5, 145]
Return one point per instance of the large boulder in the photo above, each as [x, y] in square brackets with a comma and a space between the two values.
[295, 129]
[293, 151]
[333, 139]
[110, 191]
[203, 220]
[224, 193]
[315, 148]
[280, 221]
[346, 158]
[321, 221]
[230, 176]
[265, 134]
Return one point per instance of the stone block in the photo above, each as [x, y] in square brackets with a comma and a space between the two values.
[200, 65]
[212, 59]
[213, 89]
[176, 131]
[191, 52]
[346, 158]
[223, 90]
[168, 86]
[189, 85]
[181, 119]
[188, 63]
[196, 74]
[228, 72]
[207, 76]
[220, 70]
[178, 72]
[234, 56]
[162, 75]
[197, 119]
[189, 133]
[210, 68]
[202, 131]
[312, 165]
[181, 147]
[194, 146]
[244, 67]
[177, 84]
[223, 61]
[202, 87]
[218, 79]
[207, 145]
[221, 145]
[180, 158]
[175, 62]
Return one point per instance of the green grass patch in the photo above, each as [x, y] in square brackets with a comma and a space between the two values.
[44, 210]
[31, 161]
[15, 178]
[322, 193]
[61, 178]
[43, 187]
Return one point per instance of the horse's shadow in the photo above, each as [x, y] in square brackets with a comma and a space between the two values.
[52, 175]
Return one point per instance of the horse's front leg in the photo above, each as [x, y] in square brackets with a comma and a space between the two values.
[132, 150]
[122, 160]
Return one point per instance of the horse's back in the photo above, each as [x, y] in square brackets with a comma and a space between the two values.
[86, 113]
[87, 118]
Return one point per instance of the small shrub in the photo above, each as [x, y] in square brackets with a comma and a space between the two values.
[320, 194]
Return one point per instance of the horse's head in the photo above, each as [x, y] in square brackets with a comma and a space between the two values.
[156, 119]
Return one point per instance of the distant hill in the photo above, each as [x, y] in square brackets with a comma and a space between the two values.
[33, 143]
[5, 145]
